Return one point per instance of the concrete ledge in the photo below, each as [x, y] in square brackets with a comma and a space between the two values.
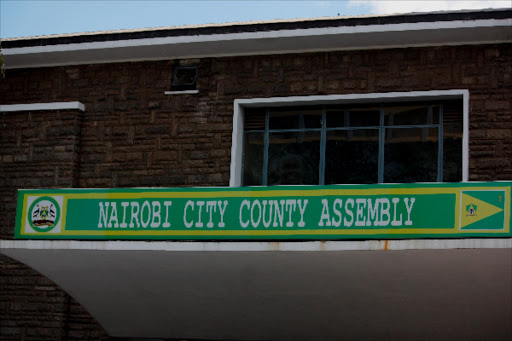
[314, 246]
[42, 106]
[184, 92]
[249, 295]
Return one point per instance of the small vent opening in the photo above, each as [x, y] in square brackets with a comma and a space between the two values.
[184, 78]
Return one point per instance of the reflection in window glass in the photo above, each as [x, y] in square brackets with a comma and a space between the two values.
[352, 156]
[293, 158]
[410, 155]
[353, 143]
[452, 151]
[253, 159]
[452, 141]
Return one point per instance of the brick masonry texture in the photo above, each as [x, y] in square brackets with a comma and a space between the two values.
[133, 135]
[33, 308]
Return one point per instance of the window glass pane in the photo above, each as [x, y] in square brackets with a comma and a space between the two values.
[253, 159]
[412, 114]
[410, 155]
[354, 116]
[352, 156]
[295, 118]
[293, 158]
[410, 150]
[452, 145]
[452, 153]
[336, 118]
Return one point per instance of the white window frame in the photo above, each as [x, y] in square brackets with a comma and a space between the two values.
[235, 179]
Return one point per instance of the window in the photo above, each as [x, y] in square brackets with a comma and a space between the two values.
[399, 141]
[184, 78]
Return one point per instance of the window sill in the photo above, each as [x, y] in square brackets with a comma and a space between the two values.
[184, 92]
[42, 106]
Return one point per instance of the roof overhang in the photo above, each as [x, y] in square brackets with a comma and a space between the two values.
[376, 36]
[403, 289]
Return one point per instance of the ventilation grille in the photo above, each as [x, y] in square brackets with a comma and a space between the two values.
[254, 119]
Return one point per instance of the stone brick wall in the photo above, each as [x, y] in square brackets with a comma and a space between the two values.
[33, 308]
[132, 134]
[38, 150]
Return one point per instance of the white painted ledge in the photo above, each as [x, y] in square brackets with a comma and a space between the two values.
[42, 106]
[313, 246]
[184, 92]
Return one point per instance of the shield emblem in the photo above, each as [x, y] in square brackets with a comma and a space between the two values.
[44, 212]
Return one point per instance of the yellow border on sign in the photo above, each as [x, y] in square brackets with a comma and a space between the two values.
[24, 215]
[64, 216]
[262, 232]
[257, 194]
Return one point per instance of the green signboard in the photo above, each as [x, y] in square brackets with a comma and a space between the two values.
[444, 210]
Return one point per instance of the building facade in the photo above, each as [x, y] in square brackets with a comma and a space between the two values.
[211, 106]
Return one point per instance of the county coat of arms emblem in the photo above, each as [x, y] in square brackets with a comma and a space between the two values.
[44, 214]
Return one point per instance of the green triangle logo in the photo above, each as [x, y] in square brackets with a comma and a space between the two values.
[482, 210]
